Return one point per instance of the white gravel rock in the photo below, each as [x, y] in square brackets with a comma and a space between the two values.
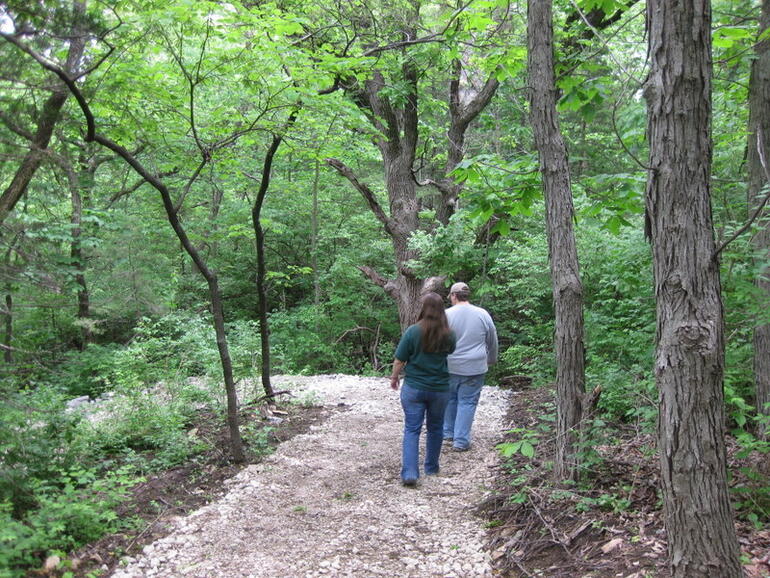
[329, 502]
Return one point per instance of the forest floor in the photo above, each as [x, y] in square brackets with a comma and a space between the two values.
[327, 500]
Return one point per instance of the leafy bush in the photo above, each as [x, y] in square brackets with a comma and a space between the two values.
[72, 509]
[35, 442]
[85, 372]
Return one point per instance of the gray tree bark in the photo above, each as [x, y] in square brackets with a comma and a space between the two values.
[759, 179]
[565, 274]
[689, 360]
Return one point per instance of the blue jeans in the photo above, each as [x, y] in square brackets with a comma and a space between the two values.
[419, 406]
[464, 393]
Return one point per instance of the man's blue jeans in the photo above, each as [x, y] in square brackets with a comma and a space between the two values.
[464, 393]
[421, 406]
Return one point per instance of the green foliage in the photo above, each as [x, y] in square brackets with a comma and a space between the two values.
[612, 502]
[72, 509]
[86, 372]
[752, 493]
[149, 420]
[524, 446]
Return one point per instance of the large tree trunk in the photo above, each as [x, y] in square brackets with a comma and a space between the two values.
[398, 144]
[404, 209]
[759, 177]
[689, 359]
[398, 127]
[565, 273]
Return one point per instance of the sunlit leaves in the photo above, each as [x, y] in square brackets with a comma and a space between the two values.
[728, 36]
[606, 6]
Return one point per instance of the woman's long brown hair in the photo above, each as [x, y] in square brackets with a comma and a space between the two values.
[432, 320]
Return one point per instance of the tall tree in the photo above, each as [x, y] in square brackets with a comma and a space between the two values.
[759, 181]
[395, 115]
[171, 205]
[259, 233]
[689, 362]
[562, 249]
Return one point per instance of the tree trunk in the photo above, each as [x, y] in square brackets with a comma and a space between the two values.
[80, 180]
[404, 212]
[314, 239]
[256, 211]
[689, 359]
[8, 349]
[565, 274]
[759, 177]
[49, 115]
[215, 295]
[397, 125]
[264, 327]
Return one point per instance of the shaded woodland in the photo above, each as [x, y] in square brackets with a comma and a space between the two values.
[196, 195]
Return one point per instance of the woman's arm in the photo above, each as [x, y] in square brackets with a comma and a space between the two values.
[398, 365]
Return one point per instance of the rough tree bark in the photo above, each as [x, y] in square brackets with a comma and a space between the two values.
[759, 180]
[562, 250]
[689, 360]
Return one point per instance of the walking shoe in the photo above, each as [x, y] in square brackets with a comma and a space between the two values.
[457, 449]
[448, 440]
[409, 482]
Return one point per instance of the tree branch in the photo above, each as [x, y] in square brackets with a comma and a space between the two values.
[760, 207]
[65, 78]
[365, 191]
[389, 285]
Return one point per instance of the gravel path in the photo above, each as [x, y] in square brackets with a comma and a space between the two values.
[330, 503]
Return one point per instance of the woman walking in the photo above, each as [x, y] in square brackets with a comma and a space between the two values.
[423, 350]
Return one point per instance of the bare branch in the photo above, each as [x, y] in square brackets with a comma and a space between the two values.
[13, 127]
[389, 285]
[760, 207]
[623, 144]
[365, 191]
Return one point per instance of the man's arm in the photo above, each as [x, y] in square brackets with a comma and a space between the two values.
[491, 343]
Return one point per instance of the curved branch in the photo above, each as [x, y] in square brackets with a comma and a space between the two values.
[760, 207]
[65, 78]
[365, 191]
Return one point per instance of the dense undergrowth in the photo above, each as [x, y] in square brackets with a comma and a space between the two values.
[610, 521]
[64, 472]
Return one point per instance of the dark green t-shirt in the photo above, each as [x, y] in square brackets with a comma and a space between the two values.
[426, 371]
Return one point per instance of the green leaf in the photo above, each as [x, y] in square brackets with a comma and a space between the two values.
[527, 449]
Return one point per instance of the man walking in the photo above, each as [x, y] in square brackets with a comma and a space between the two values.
[475, 350]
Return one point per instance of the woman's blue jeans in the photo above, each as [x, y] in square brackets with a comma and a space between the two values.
[421, 406]
[464, 393]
